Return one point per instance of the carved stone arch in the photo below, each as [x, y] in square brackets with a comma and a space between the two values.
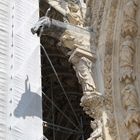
[129, 91]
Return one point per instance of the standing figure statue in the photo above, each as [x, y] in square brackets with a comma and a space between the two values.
[83, 66]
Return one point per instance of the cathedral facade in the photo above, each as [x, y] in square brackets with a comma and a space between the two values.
[92, 51]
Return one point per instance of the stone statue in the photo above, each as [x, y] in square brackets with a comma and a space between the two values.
[97, 133]
[83, 67]
[74, 15]
[91, 100]
[130, 10]
[130, 97]
[129, 25]
[127, 52]
[126, 59]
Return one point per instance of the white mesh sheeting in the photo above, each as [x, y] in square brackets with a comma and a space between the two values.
[25, 96]
[4, 43]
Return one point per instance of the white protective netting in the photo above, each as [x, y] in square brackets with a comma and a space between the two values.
[26, 122]
[20, 74]
[4, 66]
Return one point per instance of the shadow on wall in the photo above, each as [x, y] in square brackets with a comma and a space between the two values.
[30, 103]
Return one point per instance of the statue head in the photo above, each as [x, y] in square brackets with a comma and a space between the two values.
[73, 7]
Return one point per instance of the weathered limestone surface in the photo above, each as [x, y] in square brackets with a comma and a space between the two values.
[111, 50]
[118, 48]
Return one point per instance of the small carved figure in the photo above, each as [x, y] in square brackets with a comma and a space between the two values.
[130, 10]
[126, 59]
[130, 26]
[130, 97]
[97, 130]
[74, 15]
[127, 52]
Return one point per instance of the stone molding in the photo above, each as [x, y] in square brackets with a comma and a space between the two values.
[108, 71]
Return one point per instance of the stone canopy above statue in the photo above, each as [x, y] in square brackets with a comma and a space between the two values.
[69, 35]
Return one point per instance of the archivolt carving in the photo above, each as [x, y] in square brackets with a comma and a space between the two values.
[126, 59]
[108, 97]
[109, 106]
[127, 76]
[130, 97]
